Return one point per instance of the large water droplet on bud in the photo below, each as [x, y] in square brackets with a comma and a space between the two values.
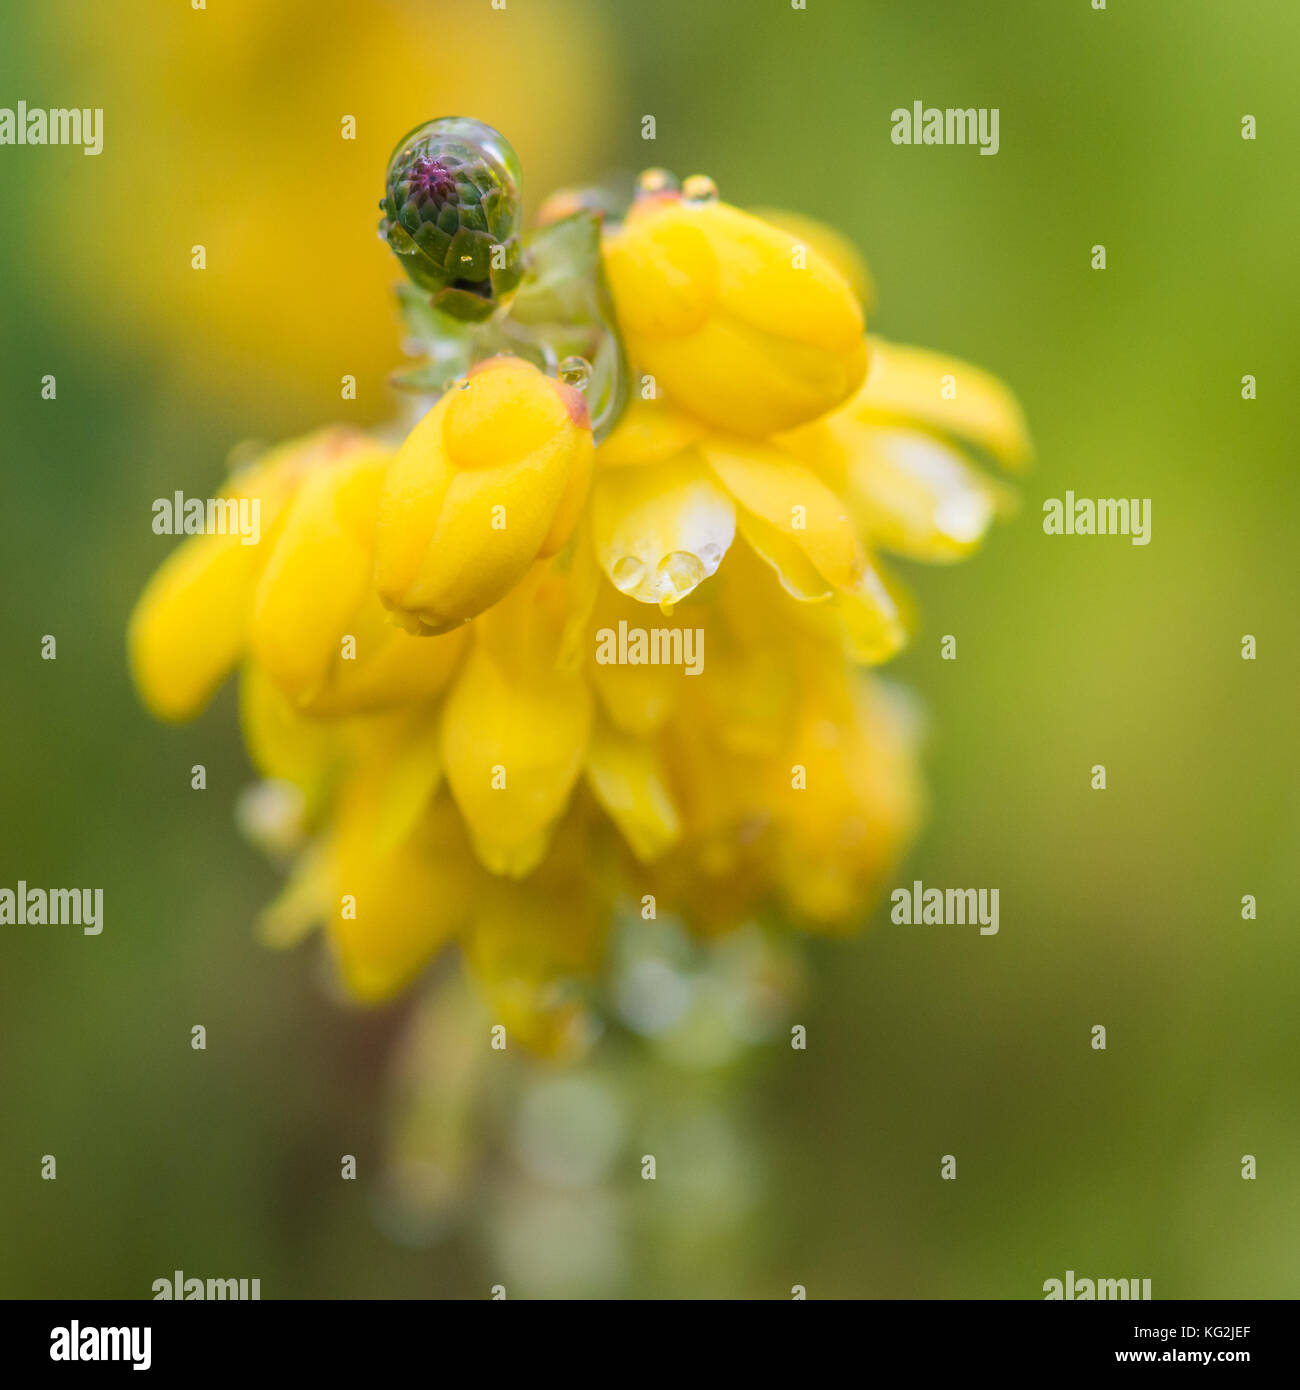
[453, 213]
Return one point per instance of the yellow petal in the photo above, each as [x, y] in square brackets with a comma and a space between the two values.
[551, 927]
[397, 761]
[741, 324]
[546, 1017]
[541, 626]
[391, 912]
[490, 480]
[629, 782]
[659, 532]
[650, 431]
[911, 385]
[742, 379]
[723, 799]
[873, 618]
[302, 904]
[799, 577]
[636, 699]
[317, 576]
[282, 743]
[828, 243]
[913, 494]
[802, 525]
[817, 445]
[764, 282]
[513, 751]
[391, 667]
[754, 657]
[531, 945]
[839, 839]
[190, 626]
[574, 497]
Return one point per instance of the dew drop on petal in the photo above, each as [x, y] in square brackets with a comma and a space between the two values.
[710, 557]
[576, 372]
[627, 573]
[676, 576]
[651, 182]
[700, 188]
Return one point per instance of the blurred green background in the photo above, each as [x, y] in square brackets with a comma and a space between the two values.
[1122, 908]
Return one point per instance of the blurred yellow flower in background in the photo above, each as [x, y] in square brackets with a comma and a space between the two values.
[250, 98]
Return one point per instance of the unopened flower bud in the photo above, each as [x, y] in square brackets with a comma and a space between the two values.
[493, 478]
[452, 214]
[740, 323]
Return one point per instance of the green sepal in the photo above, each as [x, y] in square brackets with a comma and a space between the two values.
[562, 308]
[564, 303]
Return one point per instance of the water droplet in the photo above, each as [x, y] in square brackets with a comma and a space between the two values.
[627, 573]
[676, 576]
[654, 181]
[576, 372]
[710, 556]
[700, 188]
[462, 383]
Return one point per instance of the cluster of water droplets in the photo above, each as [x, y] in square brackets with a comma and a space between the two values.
[668, 582]
[697, 189]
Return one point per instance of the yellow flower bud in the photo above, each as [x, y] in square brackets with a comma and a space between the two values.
[627, 776]
[317, 628]
[833, 851]
[190, 626]
[802, 528]
[648, 431]
[833, 245]
[390, 912]
[493, 478]
[532, 945]
[914, 386]
[513, 750]
[283, 745]
[738, 321]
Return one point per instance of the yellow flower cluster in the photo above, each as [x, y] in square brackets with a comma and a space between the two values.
[506, 681]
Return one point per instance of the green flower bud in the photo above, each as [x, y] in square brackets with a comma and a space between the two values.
[452, 214]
